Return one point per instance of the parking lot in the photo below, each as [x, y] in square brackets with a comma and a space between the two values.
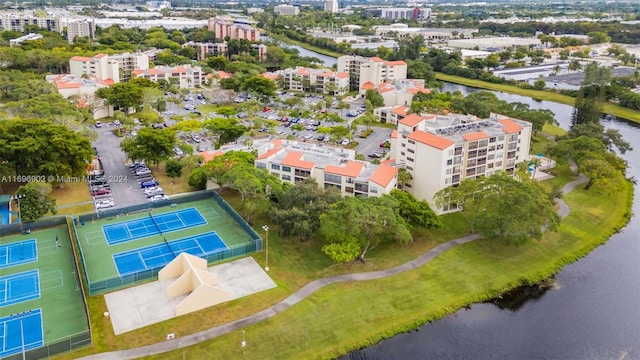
[125, 189]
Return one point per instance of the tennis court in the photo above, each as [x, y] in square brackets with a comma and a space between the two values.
[157, 256]
[152, 225]
[107, 272]
[16, 288]
[18, 253]
[21, 332]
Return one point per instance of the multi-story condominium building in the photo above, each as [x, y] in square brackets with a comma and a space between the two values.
[396, 92]
[325, 81]
[442, 150]
[331, 6]
[286, 10]
[80, 28]
[204, 50]
[17, 22]
[30, 36]
[401, 13]
[391, 114]
[374, 70]
[234, 29]
[293, 161]
[158, 5]
[83, 91]
[102, 66]
[185, 76]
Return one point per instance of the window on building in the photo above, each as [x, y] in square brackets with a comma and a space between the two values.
[449, 162]
[458, 151]
[373, 190]
[286, 177]
[501, 138]
[457, 160]
[499, 146]
[261, 165]
[411, 151]
[472, 154]
[275, 167]
[449, 171]
[411, 142]
[473, 145]
[286, 168]
[492, 140]
[410, 159]
[483, 143]
[409, 168]
[336, 179]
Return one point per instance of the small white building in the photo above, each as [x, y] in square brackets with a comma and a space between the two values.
[30, 36]
[495, 44]
[533, 72]
[286, 10]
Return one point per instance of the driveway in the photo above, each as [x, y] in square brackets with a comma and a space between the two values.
[125, 190]
[372, 142]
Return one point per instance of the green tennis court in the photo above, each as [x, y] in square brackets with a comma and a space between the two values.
[101, 267]
[39, 292]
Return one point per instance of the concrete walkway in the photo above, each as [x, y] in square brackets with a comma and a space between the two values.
[301, 294]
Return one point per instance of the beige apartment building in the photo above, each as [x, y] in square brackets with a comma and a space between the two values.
[234, 29]
[80, 28]
[204, 50]
[391, 114]
[331, 167]
[102, 66]
[442, 150]
[363, 70]
[325, 81]
[185, 76]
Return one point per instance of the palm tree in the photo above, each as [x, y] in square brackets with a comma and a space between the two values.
[574, 65]
[556, 70]
[403, 177]
[536, 163]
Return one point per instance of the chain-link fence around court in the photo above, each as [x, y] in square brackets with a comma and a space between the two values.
[253, 244]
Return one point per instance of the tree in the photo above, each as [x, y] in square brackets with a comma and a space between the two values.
[539, 84]
[198, 178]
[122, 95]
[297, 210]
[227, 130]
[255, 187]
[150, 145]
[488, 206]
[218, 166]
[404, 177]
[35, 201]
[354, 226]
[226, 111]
[173, 168]
[376, 99]
[415, 212]
[598, 37]
[588, 104]
[260, 85]
[610, 137]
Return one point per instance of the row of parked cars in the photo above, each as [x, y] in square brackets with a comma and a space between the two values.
[148, 183]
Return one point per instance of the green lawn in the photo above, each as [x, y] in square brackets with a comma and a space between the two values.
[609, 108]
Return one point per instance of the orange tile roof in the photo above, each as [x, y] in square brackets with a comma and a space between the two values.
[269, 153]
[394, 134]
[386, 87]
[270, 76]
[510, 127]
[107, 82]
[400, 110]
[277, 142]
[430, 139]
[303, 71]
[376, 59]
[208, 156]
[325, 73]
[80, 58]
[367, 86]
[411, 120]
[99, 56]
[475, 136]
[224, 74]
[387, 162]
[342, 75]
[68, 85]
[418, 89]
[396, 63]
[294, 159]
[137, 71]
[352, 169]
[383, 175]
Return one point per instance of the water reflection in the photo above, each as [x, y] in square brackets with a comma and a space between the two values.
[516, 298]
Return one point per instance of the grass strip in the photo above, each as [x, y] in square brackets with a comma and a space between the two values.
[609, 108]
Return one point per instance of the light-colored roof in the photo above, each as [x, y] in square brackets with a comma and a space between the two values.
[80, 58]
[510, 127]
[430, 139]
[383, 175]
[351, 169]
[294, 159]
[411, 120]
[475, 136]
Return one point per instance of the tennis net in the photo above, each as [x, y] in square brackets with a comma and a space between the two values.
[154, 221]
[169, 246]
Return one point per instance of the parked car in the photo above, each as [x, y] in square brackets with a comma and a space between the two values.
[308, 136]
[157, 198]
[320, 137]
[148, 184]
[153, 190]
[375, 155]
[196, 138]
[344, 142]
[178, 152]
[157, 126]
[143, 172]
[100, 192]
[116, 123]
[98, 124]
[104, 204]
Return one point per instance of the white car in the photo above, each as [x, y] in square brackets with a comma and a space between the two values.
[116, 123]
[308, 136]
[143, 171]
[134, 133]
[156, 198]
[196, 138]
[150, 190]
[104, 204]
[98, 124]
[344, 142]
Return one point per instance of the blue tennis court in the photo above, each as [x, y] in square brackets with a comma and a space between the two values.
[159, 255]
[18, 253]
[16, 330]
[19, 287]
[152, 225]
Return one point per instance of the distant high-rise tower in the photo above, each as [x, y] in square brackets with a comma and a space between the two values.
[331, 6]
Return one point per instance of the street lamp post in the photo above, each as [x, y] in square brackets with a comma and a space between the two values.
[266, 247]
[18, 197]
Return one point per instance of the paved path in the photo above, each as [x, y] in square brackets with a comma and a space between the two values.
[301, 294]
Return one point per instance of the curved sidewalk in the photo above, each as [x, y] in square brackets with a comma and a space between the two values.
[300, 295]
